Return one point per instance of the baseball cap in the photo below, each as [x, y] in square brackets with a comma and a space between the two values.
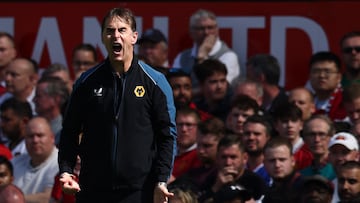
[346, 139]
[319, 181]
[232, 191]
[152, 35]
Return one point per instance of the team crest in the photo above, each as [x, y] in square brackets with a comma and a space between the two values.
[139, 91]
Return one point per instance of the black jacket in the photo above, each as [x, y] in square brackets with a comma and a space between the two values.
[128, 126]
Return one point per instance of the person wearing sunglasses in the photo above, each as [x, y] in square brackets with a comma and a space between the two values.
[350, 49]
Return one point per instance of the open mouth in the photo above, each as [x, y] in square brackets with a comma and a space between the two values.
[117, 47]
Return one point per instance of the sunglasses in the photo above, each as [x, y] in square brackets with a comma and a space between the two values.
[349, 50]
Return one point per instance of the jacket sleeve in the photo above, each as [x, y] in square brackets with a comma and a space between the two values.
[165, 129]
[70, 133]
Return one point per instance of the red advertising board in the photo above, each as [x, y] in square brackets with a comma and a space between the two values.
[291, 31]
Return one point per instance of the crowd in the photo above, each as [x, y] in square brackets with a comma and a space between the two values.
[240, 137]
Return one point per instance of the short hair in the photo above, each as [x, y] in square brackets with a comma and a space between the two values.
[213, 126]
[288, 111]
[322, 117]
[231, 139]
[185, 110]
[187, 196]
[352, 92]
[20, 108]
[325, 56]
[267, 65]
[199, 14]
[244, 102]
[278, 141]
[240, 80]
[176, 73]
[208, 68]
[85, 47]
[311, 95]
[350, 165]
[7, 163]
[123, 13]
[349, 35]
[53, 68]
[9, 36]
[262, 120]
[56, 87]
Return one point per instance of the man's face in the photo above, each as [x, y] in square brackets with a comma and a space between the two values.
[351, 58]
[11, 124]
[353, 110]
[186, 125]
[19, 77]
[324, 76]
[207, 148]
[237, 118]
[349, 184]
[5, 175]
[290, 129]
[317, 136]
[250, 90]
[279, 162]
[214, 87]
[119, 39]
[44, 103]
[7, 51]
[339, 154]
[82, 61]
[231, 159]
[154, 54]
[315, 193]
[254, 138]
[203, 28]
[182, 90]
[302, 99]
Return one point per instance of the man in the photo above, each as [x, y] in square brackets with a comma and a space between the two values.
[204, 32]
[248, 87]
[153, 48]
[7, 54]
[265, 69]
[6, 171]
[181, 85]
[21, 76]
[215, 92]
[350, 49]
[230, 160]
[34, 172]
[351, 101]
[289, 124]
[15, 115]
[11, 194]
[304, 99]
[241, 108]
[126, 112]
[349, 182]
[84, 56]
[325, 76]
[317, 133]
[316, 189]
[50, 97]
[343, 147]
[280, 164]
[187, 121]
[257, 131]
[60, 71]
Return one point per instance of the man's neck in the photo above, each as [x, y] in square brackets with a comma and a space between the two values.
[254, 161]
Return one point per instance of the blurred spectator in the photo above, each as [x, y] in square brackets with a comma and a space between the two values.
[11, 194]
[350, 49]
[304, 99]
[6, 171]
[84, 56]
[153, 48]
[34, 172]
[60, 71]
[247, 87]
[349, 182]
[233, 193]
[204, 32]
[7, 54]
[15, 115]
[316, 189]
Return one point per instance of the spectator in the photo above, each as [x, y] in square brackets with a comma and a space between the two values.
[349, 182]
[11, 194]
[60, 71]
[153, 48]
[84, 56]
[204, 32]
[304, 99]
[34, 172]
[316, 189]
[318, 131]
[350, 49]
[233, 193]
[325, 76]
[7, 54]
[248, 87]
[6, 171]
[15, 115]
